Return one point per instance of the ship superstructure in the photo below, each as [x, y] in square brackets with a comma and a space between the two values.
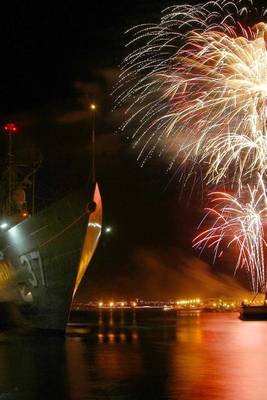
[43, 257]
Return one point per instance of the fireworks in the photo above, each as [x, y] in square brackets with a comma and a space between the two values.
[195, 88]
[198, 90]
[239, 223]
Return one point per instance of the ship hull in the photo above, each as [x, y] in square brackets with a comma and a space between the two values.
[44, 258]
[250, 312]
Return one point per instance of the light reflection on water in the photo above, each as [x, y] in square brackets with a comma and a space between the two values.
[138, 355]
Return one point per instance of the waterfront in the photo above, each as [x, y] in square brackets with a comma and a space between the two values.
[136, 355]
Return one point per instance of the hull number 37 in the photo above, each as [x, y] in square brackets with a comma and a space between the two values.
[32, 263]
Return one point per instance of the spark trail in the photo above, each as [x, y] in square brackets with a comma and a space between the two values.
[239, 222]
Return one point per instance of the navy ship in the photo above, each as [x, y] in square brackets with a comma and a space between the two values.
[44, 256]
[252, 311]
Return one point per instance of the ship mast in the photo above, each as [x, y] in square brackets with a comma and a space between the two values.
[93, 111]
[10, 128]
[13, 202]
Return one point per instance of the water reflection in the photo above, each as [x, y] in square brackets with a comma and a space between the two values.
[220, 357]
[132, 355]
[29, 365]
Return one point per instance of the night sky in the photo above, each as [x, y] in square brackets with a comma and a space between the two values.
[55, 59]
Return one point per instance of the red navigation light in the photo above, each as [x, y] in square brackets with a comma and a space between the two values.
[10, 127]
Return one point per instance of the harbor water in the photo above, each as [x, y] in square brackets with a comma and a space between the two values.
[139, 355]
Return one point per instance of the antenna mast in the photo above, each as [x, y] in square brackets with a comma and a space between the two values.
[93, 111]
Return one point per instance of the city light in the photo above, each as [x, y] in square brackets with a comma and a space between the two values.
[185, 304]
[93, 107]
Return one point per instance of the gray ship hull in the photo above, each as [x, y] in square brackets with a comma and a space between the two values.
[43, 259]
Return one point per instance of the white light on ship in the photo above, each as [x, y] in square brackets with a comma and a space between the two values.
[4, 225]
[108, 229]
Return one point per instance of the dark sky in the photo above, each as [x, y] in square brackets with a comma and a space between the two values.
[55, 57]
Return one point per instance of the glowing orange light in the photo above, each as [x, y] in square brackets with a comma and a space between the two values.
[93, 107]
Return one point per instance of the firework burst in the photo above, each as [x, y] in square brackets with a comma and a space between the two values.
[197, 89]
[239, 222]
